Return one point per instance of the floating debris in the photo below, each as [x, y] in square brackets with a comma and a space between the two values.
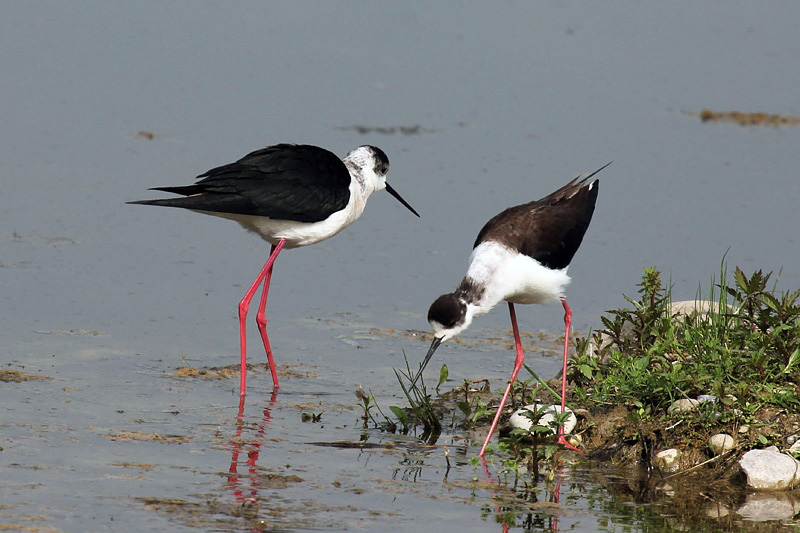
[749, 119]
[93, 333]
[14, 376]
[35, 238]
[129, 435]
[388, 130]
[191, 372]
[144, 134]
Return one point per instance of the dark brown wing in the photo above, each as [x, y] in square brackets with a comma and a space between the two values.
[549, 230]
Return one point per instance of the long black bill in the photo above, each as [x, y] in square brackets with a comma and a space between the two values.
[435, 344]
[400, 198]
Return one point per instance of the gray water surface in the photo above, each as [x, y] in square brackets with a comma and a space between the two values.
[478, 108]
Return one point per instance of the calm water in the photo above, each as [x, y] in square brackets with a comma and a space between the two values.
[478, 108]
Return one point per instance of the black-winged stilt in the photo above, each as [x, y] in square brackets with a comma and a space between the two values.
[290, 195]
[520, 256]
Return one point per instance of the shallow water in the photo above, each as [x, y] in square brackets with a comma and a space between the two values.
[478, 109]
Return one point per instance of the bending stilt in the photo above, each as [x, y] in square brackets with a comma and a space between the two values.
[567, 325]
[517, 365]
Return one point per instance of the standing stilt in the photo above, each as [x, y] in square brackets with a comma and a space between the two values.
[244, 305]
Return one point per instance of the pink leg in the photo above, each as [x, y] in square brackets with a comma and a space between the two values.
[567, 327]
[517, 365]
[261, 320]
[244, 305]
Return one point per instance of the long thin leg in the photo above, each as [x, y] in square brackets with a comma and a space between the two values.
[244, 305]
[567, 327]
[261, 321]
[517, 365]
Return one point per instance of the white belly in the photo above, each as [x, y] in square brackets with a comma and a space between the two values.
[507, 275]
[299, 233]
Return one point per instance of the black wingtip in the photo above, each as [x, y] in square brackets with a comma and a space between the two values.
[598, 170]
[166, 202]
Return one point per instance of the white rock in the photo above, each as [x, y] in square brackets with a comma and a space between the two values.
[682, 405]
[548, 412]
[762, 507]
[721, 443]
[744, 429]
[770, 470]
[669, 460]
[703, 308]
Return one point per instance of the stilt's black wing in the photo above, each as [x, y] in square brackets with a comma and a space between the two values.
[282, 182]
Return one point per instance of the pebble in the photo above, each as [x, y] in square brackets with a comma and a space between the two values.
[682, 405]
[669, 460]
[520, 420]
[769, 469]
[575, 440]
[794, 449]
[721, 443]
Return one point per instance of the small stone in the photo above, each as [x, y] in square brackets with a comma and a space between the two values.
[794, 449]
[770, 470]
[668, 460]
[682, 405]
[575, 440]
[547, 415]
[721, 443]
[703, 398]
[791, 439]
[744, 429]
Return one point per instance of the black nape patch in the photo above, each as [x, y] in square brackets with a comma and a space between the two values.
[381, 160]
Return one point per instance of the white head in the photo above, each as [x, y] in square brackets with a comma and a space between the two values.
[368, 165]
